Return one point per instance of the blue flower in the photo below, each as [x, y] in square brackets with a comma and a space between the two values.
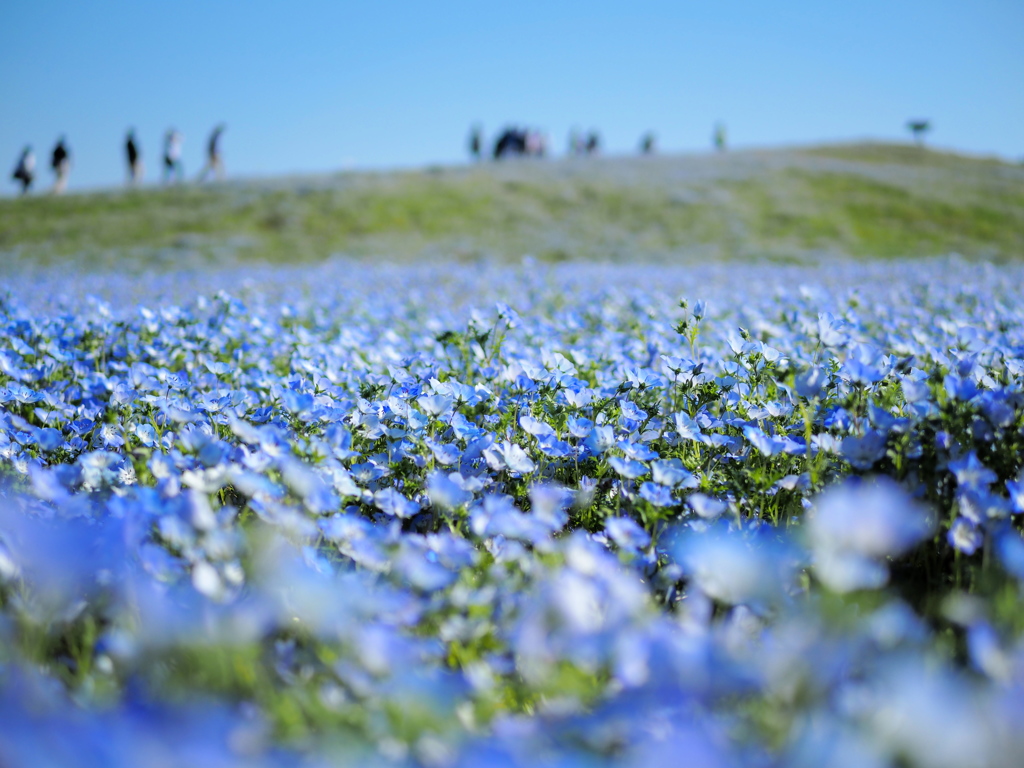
[658, 495]
[627, 468]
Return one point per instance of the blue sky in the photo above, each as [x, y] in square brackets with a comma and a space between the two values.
[321, 86]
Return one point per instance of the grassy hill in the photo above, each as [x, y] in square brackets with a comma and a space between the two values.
[869, 200]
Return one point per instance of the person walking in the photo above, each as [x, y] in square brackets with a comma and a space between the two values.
[173, 170]
[214, 162]
[60, 162]
[135, 169]
[25, 170]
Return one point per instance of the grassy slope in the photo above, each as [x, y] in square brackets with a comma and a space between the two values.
[860, 200]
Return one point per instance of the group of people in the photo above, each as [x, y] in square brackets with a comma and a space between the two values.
[527, 142]
[513, 141]
[580, 144]
[173, 167]
[516, 141]
[60, 164]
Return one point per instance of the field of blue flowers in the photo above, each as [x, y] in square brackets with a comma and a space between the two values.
[529, 515]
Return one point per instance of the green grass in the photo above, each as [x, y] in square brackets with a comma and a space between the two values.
[859, 200]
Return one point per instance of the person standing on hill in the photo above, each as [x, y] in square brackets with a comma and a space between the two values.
[648, 143]
[214, 162]
[172, 156]
[476, 143]
[60, 162]
[719, 137]
[25, 170]
[135, 169]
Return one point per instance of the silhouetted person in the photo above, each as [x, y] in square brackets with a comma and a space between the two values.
[476, 143]
[214, 162]
[25, 170]
[648, 144]
[131, 149]
[60, 162]
[593, 145]
[718, 137]
[919, 128]
[173, 170]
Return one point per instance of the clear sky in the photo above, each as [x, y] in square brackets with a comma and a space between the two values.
[316, 86]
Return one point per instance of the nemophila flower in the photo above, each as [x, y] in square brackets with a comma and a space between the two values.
[1016, 490]
[998, 408]
[415, 568]
[392, 502]
[48, 439]
[445, 493]
[810, 383]
[971, 474]
[627, 468]
[584, 495]
[601, 439]
[62, 561]
[672, 473]
[637, 451]
[55, 484]
[734, 568]
[738, 343]
[497, 515]
[656, 494]
[687, 428]
[858, 372]
[99, 469]
[579, 428]
[626, 533]
[507, 455]
[368, 473]
[549, 502]
[706, 506]
[959, 388]
[865, 450]
[474, 450]
[981, 506]
[915, 390]
[465, 429]
[535, 427]
[578, 397]
[964, 536]
[854, 526]
[641, 378]
[19, 393]
[829, 330]
[631, 412]
[435, 404]
[444, 454]
[110, 436]
[146, 434]
[765, 444]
